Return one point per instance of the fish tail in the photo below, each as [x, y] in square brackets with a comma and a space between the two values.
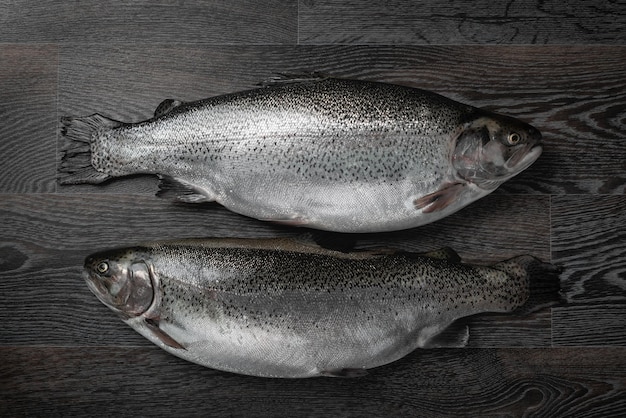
[543, 282]
[79, 134]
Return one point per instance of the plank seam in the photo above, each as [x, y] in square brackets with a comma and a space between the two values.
[552, 261]
[56, 120]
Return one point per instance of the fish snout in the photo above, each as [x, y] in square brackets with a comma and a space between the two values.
[88, 261]
[534, 135]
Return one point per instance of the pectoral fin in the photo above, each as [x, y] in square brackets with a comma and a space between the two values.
[153, 326]
[447, 194]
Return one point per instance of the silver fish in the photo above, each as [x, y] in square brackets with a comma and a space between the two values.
[282, 308]
[326, 153]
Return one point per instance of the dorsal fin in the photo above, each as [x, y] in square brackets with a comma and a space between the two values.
[166, 106]
[445, 253]
[332, 241]
[289, 78]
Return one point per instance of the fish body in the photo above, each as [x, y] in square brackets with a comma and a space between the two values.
[326, 153]
[280, 308]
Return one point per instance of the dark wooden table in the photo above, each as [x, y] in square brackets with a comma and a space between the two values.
[559, 65]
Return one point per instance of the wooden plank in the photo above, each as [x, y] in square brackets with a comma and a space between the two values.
[64, 353]
[45, 239]
[28, 82]
[589, 240]
[589, 325]
[435, 22]
[573, 94]
[105, 381]
[201, 22]
[511, 330]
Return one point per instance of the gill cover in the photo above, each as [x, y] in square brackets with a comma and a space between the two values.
[492, 149]
[124, 286]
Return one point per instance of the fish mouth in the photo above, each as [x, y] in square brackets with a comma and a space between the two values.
[520, 161]
[523, 158]
[97, 288]
[131, 293]
[105, 291]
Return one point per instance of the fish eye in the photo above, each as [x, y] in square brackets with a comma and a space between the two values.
[102, 267]
[514, 138]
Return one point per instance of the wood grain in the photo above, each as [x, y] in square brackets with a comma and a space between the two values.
[45, 239]
[99, 381]
[591, 326]
[435, 22]
[203, 22]
[558, 65]
[589, 240]
[574, 94]
[28, 86]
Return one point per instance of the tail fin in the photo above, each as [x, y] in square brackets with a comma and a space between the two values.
[544, 286]
[76, 167]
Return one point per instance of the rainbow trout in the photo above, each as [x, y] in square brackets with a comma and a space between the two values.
[326, 153]
[281, 308]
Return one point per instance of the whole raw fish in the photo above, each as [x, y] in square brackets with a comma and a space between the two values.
[333, 154]
[280, 308]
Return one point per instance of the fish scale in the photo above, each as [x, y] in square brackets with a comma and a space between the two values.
[281, 308]
[334, 154]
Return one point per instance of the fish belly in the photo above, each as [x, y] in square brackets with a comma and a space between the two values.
[346, 193]
[235, 346]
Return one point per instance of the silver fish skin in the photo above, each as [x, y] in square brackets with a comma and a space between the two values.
[281, 308]
[326, 153]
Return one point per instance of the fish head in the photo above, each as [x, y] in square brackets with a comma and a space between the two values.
[493, 148]
[122, 280]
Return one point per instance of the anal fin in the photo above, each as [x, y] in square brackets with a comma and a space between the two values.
[456, 335]
[347, 372]
[176, 189]
[442, 198]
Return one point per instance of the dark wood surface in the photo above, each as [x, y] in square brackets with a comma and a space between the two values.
[476, 22]
[560, 66]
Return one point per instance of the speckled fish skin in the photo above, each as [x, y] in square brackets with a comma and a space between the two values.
[280, 308]
[326, 153]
